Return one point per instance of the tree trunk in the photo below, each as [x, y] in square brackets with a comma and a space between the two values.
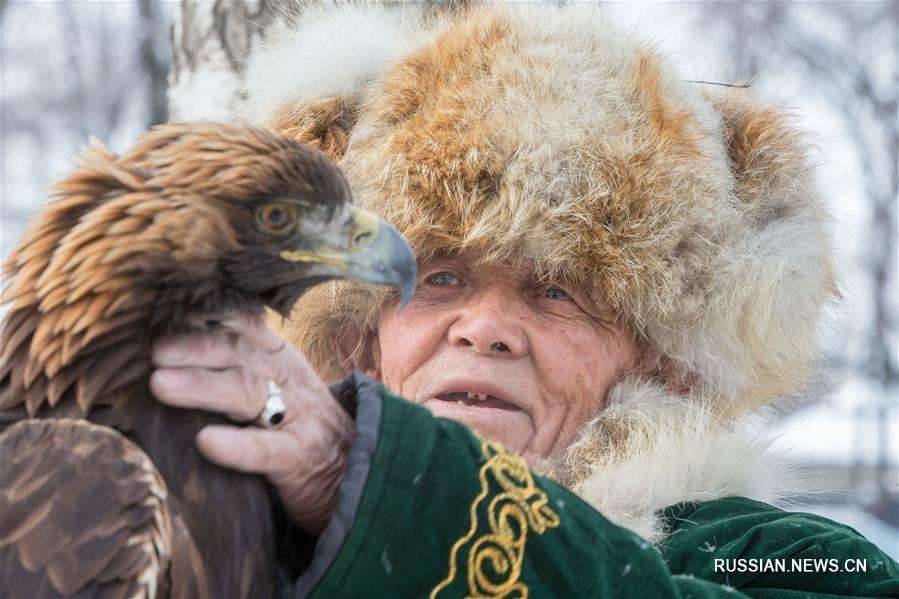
[154, 60]
[210, 43]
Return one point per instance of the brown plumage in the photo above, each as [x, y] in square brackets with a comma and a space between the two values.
[196, 220]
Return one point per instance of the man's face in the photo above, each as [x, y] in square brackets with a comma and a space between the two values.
[542, 355]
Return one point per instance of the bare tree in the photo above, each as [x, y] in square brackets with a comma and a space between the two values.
[211, 41]
[155, 51]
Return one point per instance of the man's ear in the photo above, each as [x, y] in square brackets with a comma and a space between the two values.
[358, 351]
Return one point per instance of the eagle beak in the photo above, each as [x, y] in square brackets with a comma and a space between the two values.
[372, 252]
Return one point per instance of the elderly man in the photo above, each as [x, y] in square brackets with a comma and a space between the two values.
[615, 268]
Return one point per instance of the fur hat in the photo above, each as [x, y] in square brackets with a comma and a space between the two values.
[539, 132]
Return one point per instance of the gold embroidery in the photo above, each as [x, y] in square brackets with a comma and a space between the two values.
[496, 556]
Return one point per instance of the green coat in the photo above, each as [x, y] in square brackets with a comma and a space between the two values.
[429, 509]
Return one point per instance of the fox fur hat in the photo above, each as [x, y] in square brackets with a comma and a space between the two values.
[539, 132]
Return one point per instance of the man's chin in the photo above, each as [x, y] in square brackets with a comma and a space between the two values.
[511, 427]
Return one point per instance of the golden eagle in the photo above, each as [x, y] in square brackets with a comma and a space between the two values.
[103, 491]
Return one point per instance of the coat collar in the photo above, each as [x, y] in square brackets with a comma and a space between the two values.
[650, 449]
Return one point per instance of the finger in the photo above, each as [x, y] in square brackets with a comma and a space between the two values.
[255, 329]
[238, 393]
[220, 351]
[250, 449]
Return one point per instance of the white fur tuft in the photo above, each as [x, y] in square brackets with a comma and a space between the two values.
[674, 450]
[336, 51]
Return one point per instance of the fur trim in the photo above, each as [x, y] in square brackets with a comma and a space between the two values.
[337, 51]
[649, 450]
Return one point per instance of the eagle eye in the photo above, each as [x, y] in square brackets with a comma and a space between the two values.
[276, 218]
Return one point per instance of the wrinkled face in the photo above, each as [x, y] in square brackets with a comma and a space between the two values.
[522, 362]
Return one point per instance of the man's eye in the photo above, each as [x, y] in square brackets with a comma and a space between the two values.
[442, 279]
[553, 292]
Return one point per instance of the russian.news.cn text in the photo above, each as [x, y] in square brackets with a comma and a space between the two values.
[791, 565]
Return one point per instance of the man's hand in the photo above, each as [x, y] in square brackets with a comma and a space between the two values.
[228, 372]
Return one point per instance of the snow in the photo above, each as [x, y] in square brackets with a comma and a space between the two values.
[708, 547]
[386, 563]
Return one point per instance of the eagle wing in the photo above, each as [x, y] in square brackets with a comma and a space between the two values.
[89, 517]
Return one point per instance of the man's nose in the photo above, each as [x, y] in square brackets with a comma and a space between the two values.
[491, 324]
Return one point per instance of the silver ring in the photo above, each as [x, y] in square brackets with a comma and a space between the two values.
[272, 415]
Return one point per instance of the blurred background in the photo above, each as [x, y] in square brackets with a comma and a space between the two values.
[72, 70]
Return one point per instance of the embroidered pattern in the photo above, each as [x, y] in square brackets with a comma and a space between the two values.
[496, 551]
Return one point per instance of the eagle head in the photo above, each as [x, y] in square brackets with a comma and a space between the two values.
[197, 219]
[263, 215]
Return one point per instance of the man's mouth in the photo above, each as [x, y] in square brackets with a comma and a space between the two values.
[479, 400]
